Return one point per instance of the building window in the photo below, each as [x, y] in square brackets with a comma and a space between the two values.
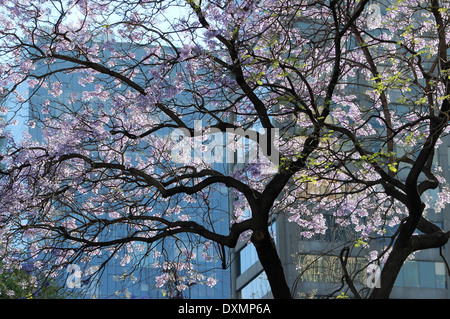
[257, 288]
[334, 232]
[425, 274]
[316, 268]
[448, 157]
[247, 257]
[411, 274]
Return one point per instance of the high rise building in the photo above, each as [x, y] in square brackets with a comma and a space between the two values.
[137, 280]
[2, 137]
[312, 265]
[424, 276]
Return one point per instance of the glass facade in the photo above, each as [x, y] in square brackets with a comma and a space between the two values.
[2, 138]
[424, 274]
[248, 255]
[113, 283]
[247, 258]
[316, 268]
[257, 288]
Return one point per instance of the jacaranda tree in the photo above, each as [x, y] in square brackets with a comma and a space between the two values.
[341, 104]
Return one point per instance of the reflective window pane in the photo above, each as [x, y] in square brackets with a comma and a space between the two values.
[257, 288]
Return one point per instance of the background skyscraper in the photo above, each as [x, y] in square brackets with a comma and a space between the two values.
[138, 279]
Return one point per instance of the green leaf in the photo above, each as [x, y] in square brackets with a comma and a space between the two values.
[360, 242]
[342, 296]
[392, 168]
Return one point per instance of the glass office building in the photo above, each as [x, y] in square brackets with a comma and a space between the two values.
[138, 279]
[425, 276]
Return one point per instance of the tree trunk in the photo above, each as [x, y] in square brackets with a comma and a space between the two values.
[390, 272]
[268, 256]
[401, 249]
